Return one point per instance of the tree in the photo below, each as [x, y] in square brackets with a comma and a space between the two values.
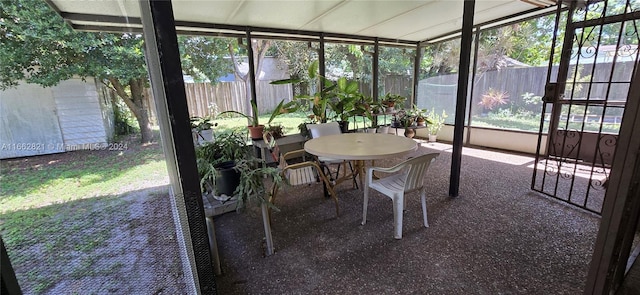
[38, 47]
[259, 48]
[205, 58]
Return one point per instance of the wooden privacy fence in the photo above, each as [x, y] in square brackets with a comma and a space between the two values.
[204, 99]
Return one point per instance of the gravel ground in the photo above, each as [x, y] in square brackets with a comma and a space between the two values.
[497, 237]
[140, 257]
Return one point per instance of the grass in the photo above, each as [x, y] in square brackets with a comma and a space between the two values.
[91, 174]
[57, 210]
[289, 121]
[533, 124]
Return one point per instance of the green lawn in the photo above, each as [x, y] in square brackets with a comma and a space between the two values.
[44, 180]
[289, 121]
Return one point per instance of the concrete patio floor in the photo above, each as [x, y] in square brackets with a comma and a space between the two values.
[497, 237]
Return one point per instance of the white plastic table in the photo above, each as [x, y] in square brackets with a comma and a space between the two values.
[360, 147]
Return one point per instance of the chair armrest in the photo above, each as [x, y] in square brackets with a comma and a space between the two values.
[395, 168]
[392, 169]
[294, 154]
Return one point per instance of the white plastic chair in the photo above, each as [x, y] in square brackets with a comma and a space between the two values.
[324, 129]
[407, 177]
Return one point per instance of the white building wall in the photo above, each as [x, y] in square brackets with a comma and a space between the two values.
[28, 122]
[79, 114]
[37, 121]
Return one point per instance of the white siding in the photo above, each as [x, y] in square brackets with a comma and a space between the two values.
[28, 122]
[79, 114]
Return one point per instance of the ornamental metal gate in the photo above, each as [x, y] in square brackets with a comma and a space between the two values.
[585, 104]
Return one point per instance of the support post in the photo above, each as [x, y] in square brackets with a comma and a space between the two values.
[461, 102]
[165, 72]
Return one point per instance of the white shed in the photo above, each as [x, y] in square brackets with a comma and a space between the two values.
[74, 115]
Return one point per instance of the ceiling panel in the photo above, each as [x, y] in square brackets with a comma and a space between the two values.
[403, 20]
[357, 16]
[130, 8]
[281, 14]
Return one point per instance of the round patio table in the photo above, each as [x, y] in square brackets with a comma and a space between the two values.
[360, 147]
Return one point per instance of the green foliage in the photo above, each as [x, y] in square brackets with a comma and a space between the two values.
[200, 123]
[527, 41]
[205, 58]
[252, 118]
[343, 101]
[252, 181]
[297, 55]
[282, 108]
[318, 102]
[124, 122]
[392, 99]
[227, 147]
[435, 121]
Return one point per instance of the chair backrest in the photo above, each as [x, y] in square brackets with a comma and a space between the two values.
[274, 149]
[416, 168]
[297, 176]
[323, 129]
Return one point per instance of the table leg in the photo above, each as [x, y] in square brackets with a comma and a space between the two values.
[360, 171]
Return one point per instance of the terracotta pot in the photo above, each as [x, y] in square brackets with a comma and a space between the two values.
[409, 132]
[256, 131]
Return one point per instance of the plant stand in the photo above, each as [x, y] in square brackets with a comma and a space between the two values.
[267, 229]
[213, 207]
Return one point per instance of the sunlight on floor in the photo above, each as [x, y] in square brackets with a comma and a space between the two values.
[501, 157]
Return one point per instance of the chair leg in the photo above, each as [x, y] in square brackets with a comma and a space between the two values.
[326, 184]
[398, 207]
[329, 189]
[365, 204]
[272, 199]
[353, 177]
[424, 207]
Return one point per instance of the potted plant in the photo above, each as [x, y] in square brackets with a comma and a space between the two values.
[419, 115]
[363, 108]
[347, 95]
[318, 102]
[202, 129]
[281, 108]
[252, 188]
[391, 100]
[435, 123]
[304, 131]
[403, 119]
[377, 110]
[255, 128]
[216, 163]
[276, 130]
